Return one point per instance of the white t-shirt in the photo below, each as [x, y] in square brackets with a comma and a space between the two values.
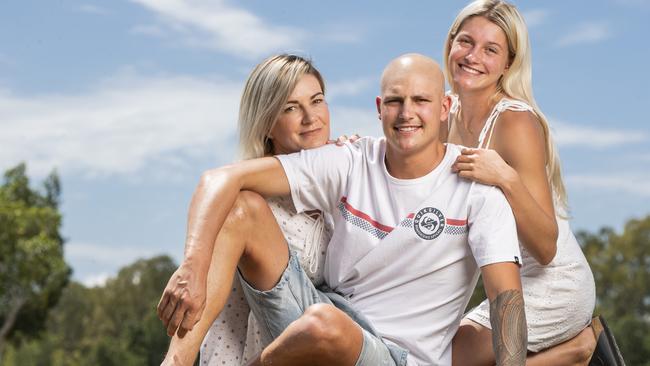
[404, 252]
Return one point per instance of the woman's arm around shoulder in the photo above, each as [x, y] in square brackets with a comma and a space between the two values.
[519, 139]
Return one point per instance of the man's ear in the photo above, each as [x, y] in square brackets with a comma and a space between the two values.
[378, 102]
[445, 106]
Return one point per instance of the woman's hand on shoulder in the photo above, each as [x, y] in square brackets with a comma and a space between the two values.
[343, 139]
[483, 166]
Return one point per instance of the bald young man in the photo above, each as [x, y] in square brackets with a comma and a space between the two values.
[409, 239]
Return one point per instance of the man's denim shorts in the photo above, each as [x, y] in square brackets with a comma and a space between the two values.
[276, 308]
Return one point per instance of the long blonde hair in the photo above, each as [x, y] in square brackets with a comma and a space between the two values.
[516, 83]
[266, 91]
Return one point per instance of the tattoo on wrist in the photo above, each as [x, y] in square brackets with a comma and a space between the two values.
[509, 330]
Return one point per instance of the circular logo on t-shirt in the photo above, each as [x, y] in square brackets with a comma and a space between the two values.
[429, 223]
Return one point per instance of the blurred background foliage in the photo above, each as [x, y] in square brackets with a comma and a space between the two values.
[45, 319]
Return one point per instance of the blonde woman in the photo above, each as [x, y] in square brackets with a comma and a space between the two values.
[488, 65]
[282, 110]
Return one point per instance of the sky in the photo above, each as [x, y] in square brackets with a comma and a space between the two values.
[130, 100]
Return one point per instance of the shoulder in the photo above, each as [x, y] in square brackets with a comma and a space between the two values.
[514, 123]
[367, 142]
[517, 132]
[367, 147]
[487, 203]
[453, 150]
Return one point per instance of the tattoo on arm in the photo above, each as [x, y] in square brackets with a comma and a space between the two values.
[509, 330]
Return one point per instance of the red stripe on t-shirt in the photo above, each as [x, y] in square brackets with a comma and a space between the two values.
[410, 216]
[365, 216]
[456, 222]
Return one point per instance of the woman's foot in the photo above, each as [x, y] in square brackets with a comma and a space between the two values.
[606, 352]
[583, 346]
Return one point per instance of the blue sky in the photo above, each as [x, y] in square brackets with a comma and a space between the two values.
[131, 100]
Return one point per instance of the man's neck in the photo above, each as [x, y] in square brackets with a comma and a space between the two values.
[416, 164]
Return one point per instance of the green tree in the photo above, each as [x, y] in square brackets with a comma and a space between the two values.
[32, 269]
[129, 307]
[621, 267]
[114, 324]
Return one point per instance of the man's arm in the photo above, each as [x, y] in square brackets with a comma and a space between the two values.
[183, 299]
[507, 316]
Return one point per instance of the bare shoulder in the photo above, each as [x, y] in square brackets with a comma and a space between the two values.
[520, 125]
[518, 129]
[519, 134]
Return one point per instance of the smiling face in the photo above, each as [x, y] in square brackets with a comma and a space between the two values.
[479, 56]
[412, 105]
[304, 120]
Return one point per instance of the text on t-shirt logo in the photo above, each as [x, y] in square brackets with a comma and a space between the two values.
[429, 223]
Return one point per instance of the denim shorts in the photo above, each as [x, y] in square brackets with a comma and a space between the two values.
[276, 308]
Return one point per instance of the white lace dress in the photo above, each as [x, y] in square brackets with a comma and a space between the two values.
[234, 337]
[559, 297]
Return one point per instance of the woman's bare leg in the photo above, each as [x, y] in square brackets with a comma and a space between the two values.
[250, 238]
[472, 345]
[478, 339]
[576, 351]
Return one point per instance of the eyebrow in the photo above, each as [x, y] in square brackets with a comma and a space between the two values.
[312, 97]
[391, 97]
[461, 34]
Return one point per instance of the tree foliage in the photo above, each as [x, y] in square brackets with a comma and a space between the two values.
[32, 269]
[621, 267]
[114, 324]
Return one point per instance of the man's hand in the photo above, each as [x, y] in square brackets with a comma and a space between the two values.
[183, 300]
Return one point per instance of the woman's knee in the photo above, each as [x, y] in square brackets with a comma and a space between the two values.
[243, 213]
[474, 337]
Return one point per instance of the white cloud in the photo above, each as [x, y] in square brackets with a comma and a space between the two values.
[119, 127]
[628, 183]
[585, 33]
[573, 135]
[96, 280]
[105, 254]
[93, 9]
[215, 24]
[535, 17]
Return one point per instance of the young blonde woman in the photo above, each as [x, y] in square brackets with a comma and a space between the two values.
[488, 66]
[282, 110]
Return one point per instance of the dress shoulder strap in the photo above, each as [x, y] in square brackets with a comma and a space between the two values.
[503, 105]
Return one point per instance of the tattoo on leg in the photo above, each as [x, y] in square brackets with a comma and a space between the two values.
[509, 330]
